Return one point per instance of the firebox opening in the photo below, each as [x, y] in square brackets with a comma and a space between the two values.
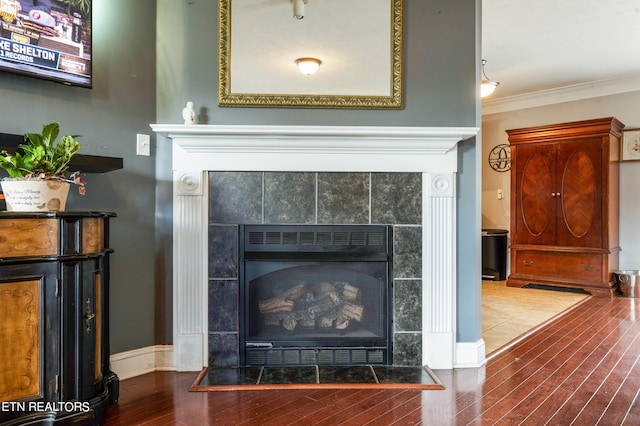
[315, 294]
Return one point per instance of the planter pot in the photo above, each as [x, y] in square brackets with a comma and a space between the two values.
[35, 195]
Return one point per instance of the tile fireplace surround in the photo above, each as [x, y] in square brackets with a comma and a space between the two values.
[432, 151]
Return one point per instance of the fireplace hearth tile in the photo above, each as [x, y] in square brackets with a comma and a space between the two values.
[315, 377]
[231, 376]
[346, 374]
[289, 375]
[393, 374]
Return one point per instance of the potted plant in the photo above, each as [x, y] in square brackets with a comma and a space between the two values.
[38, 171]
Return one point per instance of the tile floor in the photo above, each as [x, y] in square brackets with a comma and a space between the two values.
[509, 312]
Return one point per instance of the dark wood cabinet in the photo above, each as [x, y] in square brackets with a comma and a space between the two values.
[564, 205]
[54, 346]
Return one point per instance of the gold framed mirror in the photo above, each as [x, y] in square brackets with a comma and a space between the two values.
[358, 44]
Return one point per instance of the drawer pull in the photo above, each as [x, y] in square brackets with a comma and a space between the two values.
[585, 267]
[527, 263]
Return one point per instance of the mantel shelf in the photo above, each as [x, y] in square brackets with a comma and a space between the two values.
[314, 148]
[80, 162]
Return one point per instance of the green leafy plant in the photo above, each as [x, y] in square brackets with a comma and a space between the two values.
[83, 7]
[43, 158]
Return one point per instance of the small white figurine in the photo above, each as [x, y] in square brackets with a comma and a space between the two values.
[189, 114]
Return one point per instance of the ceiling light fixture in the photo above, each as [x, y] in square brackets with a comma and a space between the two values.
[488, 86]
[308, 66]
[298, 8]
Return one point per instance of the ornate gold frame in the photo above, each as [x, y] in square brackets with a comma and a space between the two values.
[226, 98]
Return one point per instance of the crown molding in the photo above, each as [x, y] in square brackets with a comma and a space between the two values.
[576, 92]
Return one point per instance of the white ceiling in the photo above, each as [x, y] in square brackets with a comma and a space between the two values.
[537, 45]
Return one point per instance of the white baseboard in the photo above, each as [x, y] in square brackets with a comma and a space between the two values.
[141, 361]
[470, 354]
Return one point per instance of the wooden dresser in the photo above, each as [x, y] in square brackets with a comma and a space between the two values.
[54, 318]
[564, 205]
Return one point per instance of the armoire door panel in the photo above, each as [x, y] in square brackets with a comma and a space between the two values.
[537, 206]
[580, 189]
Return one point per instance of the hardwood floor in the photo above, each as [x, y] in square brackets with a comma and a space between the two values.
[581, 369]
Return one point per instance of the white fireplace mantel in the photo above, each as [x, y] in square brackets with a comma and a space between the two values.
[198, 149]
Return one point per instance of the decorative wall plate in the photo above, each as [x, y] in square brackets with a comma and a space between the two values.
[500, 158]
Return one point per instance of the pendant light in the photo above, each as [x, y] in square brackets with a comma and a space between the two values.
[488, 86]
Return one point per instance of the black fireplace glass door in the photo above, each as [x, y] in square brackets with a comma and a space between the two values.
[292, 302]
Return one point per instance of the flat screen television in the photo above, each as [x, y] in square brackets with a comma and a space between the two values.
[49, 39]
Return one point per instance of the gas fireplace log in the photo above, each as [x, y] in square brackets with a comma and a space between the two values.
[276, 304]
[305, 301]
[337, 321]
[353, 311]
[284, 302]
[324, 290]
[322, 306]
[292, 293]
[305, 321]
[289, 322]
[325, 322]
[349, 292]
[342, 322]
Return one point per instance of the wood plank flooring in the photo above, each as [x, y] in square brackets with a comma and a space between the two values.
[582, 369]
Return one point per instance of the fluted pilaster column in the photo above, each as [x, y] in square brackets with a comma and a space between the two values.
[438, 269]
[190, 205]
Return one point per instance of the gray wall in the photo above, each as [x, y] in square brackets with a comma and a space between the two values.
[441, 67]
[121, 104]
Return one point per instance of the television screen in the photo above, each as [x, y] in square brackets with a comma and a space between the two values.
[49, 39]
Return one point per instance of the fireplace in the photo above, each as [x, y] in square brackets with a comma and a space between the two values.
[315, 294]
[430, 151]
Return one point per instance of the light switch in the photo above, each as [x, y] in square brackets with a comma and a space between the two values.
[143, 144]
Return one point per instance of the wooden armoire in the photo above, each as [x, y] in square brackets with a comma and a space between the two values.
[564, 205]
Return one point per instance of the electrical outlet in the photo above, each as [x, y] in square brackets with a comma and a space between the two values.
[500, 195]
[143, 144]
